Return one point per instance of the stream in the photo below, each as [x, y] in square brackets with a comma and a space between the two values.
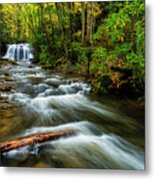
[40, 101]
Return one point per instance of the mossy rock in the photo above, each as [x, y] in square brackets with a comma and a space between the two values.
[5, 88]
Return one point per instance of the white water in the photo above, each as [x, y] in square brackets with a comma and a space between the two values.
[85, 149]
[50, 103]
[20, 52]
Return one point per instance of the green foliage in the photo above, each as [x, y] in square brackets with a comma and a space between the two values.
[100, 35]
[99, 60]
[44, 58]
[80, 51]
[122, 35]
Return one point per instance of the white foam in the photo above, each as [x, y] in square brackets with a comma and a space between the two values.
[20, 52]
[86, 149]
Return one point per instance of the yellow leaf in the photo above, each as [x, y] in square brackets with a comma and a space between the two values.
[122, 38]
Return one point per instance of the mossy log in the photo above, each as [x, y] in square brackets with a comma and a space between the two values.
[34, 139]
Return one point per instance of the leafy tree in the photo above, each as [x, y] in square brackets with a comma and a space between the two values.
[92, 37]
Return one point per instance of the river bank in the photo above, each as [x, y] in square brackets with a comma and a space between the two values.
[127, 96]
[39, 101]
[134, 105]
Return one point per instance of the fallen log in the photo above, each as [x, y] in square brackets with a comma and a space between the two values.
[34, 139]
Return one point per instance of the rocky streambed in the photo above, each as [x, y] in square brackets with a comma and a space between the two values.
[34, 101]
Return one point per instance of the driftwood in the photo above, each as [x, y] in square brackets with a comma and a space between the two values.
[34, 139]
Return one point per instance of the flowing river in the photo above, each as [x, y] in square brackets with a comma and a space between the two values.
[43, 102]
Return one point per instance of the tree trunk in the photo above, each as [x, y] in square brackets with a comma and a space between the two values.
[71, 30]
[1, 16]
[89, 21]
[83, 20]
[44, 28]
[51, 21]
[34, 139]
[29, 20]
[89, 36]
[61, 29]
[18, 28]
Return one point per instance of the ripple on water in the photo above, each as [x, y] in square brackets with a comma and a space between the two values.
[51, 98]
[85, 150]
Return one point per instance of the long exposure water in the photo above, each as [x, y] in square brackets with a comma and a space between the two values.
[44, 102]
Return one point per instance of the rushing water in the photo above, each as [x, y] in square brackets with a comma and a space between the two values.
[19, 52]
[45, 102]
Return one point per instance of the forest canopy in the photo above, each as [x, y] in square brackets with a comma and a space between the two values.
[103, 41]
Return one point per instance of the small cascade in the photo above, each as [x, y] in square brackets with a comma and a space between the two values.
[19, 52]
[42, 102]
[86, 149]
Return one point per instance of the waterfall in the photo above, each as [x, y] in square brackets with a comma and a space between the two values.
[19, 52]
[43, 102]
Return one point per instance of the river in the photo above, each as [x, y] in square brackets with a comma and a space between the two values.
[40, 101]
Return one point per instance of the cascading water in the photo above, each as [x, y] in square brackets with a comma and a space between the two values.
[46, 103]
[19, 52]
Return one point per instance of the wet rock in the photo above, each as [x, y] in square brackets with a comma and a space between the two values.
[5, 87]
[72, 80]
[4, 104]
[55, 82]
[54, 92]
[6, 62]
[6, 74]
[36, 80]
[4, 79]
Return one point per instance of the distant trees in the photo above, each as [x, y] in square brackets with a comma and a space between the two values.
[90, 37]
